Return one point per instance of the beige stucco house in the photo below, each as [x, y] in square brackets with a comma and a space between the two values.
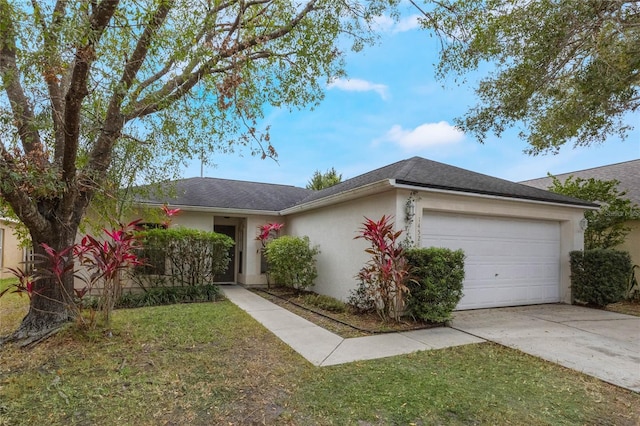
[628, 175]
[11, 252]
[516, 238]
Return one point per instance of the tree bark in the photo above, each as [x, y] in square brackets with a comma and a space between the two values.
[52, 298]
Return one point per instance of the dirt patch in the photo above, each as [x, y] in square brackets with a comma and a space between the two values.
[628, 307]
[345, 324]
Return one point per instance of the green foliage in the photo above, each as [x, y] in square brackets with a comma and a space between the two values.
[327, 303]
[169, 296]
[182, 257]
[633, 288]
[606, 226]
[321, 180]
[95, 96]
[435, 287]
[565, 70]
[600, 276]
[292, 261]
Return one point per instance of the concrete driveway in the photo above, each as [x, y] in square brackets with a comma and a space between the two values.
[602, 344]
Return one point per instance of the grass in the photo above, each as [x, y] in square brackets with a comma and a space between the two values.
[211, 363]
[13, 307]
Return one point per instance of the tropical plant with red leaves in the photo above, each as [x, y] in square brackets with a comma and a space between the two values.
[383, 277]
[104, 261]
[25, 284]
[169, 213]
[267, 232]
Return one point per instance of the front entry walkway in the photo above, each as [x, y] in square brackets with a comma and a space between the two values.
[322, 348]
[599, 343]
[602, 344]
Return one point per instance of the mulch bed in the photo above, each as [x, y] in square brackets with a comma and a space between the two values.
[346, 324]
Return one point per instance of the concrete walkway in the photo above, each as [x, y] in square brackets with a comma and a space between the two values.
[322, 348]
[602, 344]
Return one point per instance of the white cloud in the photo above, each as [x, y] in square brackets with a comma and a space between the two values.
[424, 136]
[387, 24]
[357, 85]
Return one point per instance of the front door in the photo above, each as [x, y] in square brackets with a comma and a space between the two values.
[227, 276]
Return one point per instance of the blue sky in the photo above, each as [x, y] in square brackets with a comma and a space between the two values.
[389, 108]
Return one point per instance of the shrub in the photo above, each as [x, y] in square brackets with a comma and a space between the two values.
[633, 289]
[169, 295]
[435, 287]
[600, 276]
[327, 303]
[382, 278]
[182, 256]
[292, 261]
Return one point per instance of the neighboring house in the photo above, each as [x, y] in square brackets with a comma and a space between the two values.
[516, 238]
[628, 174]
[11, 253]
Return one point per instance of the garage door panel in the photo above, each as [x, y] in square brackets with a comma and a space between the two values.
[507, 261]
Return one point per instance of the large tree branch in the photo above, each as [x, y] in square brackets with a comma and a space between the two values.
[77, 91]
[100, 156]
[52, 68]
[23, 114]
[19, 200]
[180, 85]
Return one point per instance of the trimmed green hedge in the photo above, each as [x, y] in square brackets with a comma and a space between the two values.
[435, 284]
[169, 296]
[181, 257]
[292, 261]
[600, 276]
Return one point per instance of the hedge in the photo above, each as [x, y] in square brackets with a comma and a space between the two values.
[600, 276]
[435, 284]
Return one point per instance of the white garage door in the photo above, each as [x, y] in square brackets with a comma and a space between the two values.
[509, 262]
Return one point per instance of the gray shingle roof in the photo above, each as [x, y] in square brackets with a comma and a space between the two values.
[420, 172]
[627, 173]
[231, 194]
[416, 171]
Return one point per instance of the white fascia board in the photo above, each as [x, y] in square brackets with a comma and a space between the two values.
[361, 191]
[219, 210]
[488, 196]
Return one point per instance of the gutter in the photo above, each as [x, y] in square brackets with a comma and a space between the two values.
[586, 206]
[220, 210]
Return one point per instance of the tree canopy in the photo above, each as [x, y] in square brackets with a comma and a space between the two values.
[321, 180]
[564, 70]
[93, 90]
[606, 227]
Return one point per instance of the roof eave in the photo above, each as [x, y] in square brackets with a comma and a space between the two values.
[221, 210]
[361, 191]
[492, 196]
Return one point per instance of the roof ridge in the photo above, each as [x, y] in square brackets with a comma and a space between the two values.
[584, 170]
[237, 180]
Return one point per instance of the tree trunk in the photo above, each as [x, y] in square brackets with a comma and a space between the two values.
[52, 298]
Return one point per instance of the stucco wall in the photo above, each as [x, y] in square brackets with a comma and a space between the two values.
[341, 257]
[632, 242]
[333, 229]
[11, 251]
[571, 233]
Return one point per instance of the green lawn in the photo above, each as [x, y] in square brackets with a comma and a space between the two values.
[213, 364]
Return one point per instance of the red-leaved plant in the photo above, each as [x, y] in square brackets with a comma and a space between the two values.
[268, 232]
[104, 261]
[383, 277]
